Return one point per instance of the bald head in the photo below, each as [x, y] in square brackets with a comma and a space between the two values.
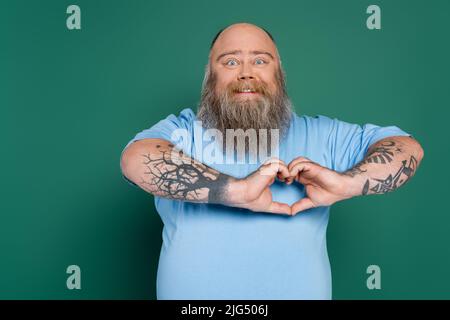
[243, 32]
[221, 30]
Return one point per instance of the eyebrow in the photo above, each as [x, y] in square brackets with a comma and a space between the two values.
[254, 52]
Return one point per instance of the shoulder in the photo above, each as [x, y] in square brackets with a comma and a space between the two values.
[187, 113]
[316, 122]
[182, 120]
[185, 116]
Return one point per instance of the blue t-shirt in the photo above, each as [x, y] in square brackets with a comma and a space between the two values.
[219, 252]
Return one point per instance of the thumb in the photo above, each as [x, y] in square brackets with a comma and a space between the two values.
[301, 205]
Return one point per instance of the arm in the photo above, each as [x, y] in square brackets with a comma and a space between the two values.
[159, 168]
[387, 165]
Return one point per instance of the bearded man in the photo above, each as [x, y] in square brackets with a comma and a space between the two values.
[232, 229]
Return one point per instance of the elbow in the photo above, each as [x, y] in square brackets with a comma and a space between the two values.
[124, 165]
[418, 150]
[127, 162]
[132, 163]
[421, 152]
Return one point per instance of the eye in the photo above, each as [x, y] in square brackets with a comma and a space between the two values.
[259, 61]
[231, 62]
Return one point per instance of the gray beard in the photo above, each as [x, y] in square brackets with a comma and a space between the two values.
[268, 111]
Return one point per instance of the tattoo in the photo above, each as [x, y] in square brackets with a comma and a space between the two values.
[355, 170]
[174, 175]
[383, 153]
[391, 183]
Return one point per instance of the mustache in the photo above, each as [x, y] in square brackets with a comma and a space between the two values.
[254, 86]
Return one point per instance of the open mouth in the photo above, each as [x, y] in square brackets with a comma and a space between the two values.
[246, 91]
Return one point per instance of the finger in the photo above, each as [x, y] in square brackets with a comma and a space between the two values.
[274, 166]
[290, 179]
[272, 160]
[266, 171]
[301, 205]
[279, 208]
[299, 168]
[297, 160]
[283, 172]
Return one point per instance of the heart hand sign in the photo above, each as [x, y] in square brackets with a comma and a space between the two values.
[323, 186]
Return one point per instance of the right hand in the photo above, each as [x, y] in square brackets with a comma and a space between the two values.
[253, 191]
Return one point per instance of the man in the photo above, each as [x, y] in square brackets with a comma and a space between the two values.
[256, 230]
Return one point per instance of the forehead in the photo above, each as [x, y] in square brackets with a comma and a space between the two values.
[245, 39]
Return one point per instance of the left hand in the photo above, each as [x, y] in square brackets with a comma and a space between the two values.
[323, 186]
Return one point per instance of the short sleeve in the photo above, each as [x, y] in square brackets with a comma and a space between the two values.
[348, 143]
[175, 129]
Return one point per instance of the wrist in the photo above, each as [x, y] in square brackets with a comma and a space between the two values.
[351, 185]
[236, 191]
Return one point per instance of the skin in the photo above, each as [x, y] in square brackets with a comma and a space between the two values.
[244, 53]
[158, 168]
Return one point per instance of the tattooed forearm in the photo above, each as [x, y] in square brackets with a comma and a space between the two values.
[392, 182]
[383, 153]
[388, 164]
[170, 173]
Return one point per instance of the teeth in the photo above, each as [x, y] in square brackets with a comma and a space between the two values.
[246, 90]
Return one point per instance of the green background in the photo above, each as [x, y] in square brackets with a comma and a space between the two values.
[71, 99]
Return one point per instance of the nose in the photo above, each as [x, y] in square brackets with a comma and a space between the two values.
[245, 73]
